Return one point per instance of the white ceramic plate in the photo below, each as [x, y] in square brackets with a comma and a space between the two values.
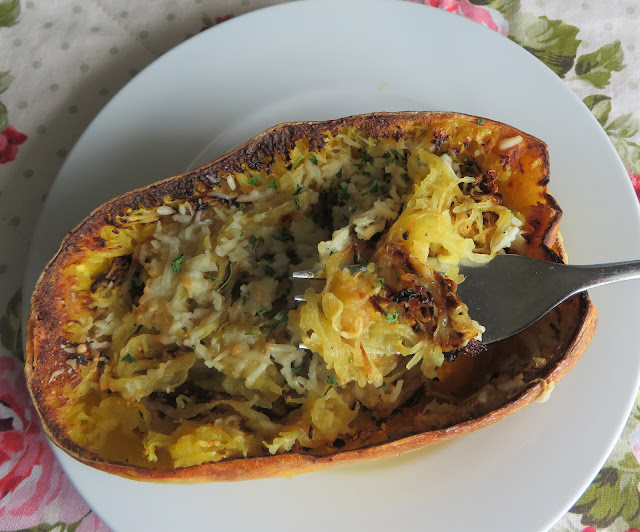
[322, 60]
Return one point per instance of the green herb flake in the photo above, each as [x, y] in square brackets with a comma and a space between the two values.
[397, 153]
[350, 360]
[332, 380]
[375, 187]
[279, 319]
[392, 318]
[298, 161]
[406, 178]
[261, 313]
[253, 240]
[359, 166]
[253, 181]
[224, 283]
[386, 155]
[298, 370]
[339, 174]
[479, 121]
[383, 385]
[352, 209]
[273, 185]
[129, 358]
[176, 265]
[244, 301]
[366, 157]
[313, 159]
[249, 332]
[296, 202]
[267, 270]
[283, 235]
[381, 281]
[299, 188]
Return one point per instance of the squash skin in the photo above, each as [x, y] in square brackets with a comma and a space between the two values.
[44, 354]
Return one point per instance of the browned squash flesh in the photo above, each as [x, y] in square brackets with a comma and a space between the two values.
[161, 342]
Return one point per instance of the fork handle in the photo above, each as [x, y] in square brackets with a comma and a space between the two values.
[600, 274]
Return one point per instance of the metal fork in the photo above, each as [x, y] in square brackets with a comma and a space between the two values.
[511, 292]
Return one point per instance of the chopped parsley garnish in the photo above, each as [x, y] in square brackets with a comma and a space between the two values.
[283, 235]
[244, 300]
[360, 166]
[339, 174]
[352, 209]
[296, 201]
[479, 121]
[268, 270]
[176, 265]
[313, 159]
[344, 193]
[273, 185]
[397, 153]
[366, 157]
[253, 240]
[253, 181]
[350, 360]
[392, 318]
[224, 283]
[332, 382]
[381, 280]
[249, 332]
[298, 161]
[241, 207]
[386, 155]
[375, 187]
[261, 313]
[405, 177]
[129, 358]
[299, 188]
[293, 257]
[383, 385]
[280, 318]
[298, 370]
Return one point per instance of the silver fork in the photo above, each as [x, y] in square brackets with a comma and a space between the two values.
[511, 292]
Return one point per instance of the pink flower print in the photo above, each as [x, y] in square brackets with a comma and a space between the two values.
[10, 139]
[491, 18]
[33, 488]
[635, 181]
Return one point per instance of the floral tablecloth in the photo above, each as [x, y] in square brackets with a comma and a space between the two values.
[61, 61]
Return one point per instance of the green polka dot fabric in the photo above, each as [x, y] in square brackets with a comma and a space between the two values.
[61, 62]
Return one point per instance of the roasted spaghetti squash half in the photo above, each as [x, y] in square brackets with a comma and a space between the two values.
[164, 340]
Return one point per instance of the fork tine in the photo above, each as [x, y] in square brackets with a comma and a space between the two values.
[309, 274]
[320, 274]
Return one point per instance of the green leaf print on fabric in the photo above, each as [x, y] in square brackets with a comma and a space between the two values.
[551, 41]
[600, 106]
[11, 326]
[629, 153]
[9, 11]
[613, 494]
[4, 117]
[597, 66]
[5, 81]
[620, 131]
[625, 126]
[509, 8]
